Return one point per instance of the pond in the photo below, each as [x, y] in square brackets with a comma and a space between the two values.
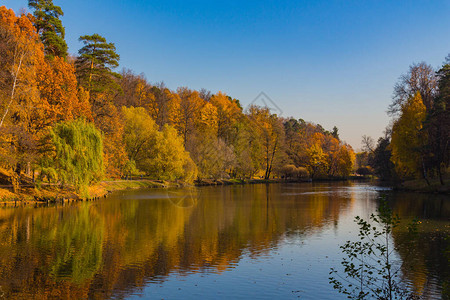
[260, 241]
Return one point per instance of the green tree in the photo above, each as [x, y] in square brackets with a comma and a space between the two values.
[94, 70]
[380, 160]
[49, 26]
[95, 64]
[74, 154]
[335, 133]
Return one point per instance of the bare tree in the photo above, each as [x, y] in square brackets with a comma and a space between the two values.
[420, 78]
[368, 144]
[205, 94]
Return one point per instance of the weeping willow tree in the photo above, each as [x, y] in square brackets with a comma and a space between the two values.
[76, 155]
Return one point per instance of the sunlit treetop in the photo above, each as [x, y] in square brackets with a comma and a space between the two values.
[96, 62]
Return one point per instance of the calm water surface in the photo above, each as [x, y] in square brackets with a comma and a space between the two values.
[253, 241]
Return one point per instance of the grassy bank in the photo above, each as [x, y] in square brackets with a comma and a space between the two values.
[420, 185]
[103, 188]
[30, 195]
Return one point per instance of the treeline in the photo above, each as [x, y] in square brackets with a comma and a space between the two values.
[75, 120]
[416, 143]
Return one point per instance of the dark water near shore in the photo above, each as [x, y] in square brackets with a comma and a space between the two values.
[251, 241]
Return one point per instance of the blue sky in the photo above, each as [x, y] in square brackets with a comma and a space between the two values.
[329, 62]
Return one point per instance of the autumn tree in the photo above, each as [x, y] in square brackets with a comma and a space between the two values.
[346, 160]
[296, 140]
[21, 53]
[59, 93]
[420, 78]
[247, 149]
[331, 147]
[228, 112]
[190, 107]
[164, 106]
[213, 157]
[208, 121]
[271, 132]
[317, 160]
[49, 27]
[171, 161]
[137, 91]
[160, 154]
[140, 135]
[408, 138]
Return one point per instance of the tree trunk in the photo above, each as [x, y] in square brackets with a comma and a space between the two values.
[13, 90]
[440, 175]
[424, 172]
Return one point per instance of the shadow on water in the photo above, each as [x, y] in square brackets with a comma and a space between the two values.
[426, 259]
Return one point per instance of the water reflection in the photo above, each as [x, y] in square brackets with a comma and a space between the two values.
[426, 262]
[115, 246]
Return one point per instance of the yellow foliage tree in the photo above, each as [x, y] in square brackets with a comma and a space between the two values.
[160, 154]
[408, 139]
[171, 161]
[227, 113]
[346, 160]
[190, 106]
[208, 121]
[317, 161]
[270, 132]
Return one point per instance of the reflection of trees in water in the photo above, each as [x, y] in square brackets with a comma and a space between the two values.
[42, 249]
[112, 246]
[425, 264]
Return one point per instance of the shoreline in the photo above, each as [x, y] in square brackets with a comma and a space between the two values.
[420, 186]
[31, 196]
[55, 195]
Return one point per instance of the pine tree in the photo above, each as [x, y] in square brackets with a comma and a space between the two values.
[49, 27]
[95, 64]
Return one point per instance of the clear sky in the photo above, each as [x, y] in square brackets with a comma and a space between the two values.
[329, 62]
